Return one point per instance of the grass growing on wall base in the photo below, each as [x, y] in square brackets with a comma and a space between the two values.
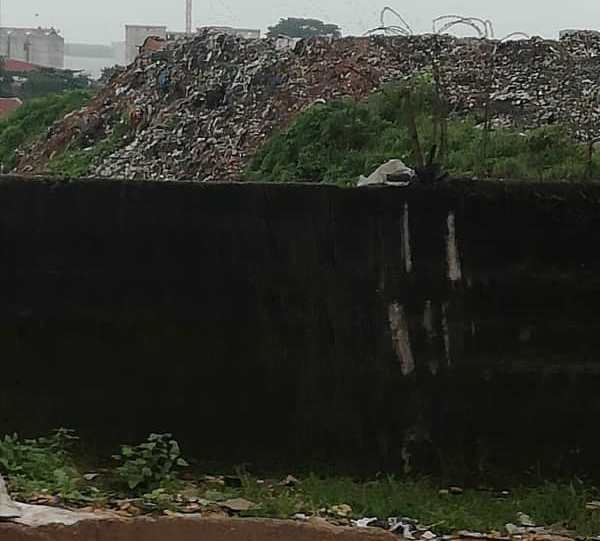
[338, 141]
[33, 119]
[150, 476]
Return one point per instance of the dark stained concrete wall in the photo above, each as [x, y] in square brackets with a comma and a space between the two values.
[451, 328]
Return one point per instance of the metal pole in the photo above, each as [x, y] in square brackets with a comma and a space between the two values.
[188, 17]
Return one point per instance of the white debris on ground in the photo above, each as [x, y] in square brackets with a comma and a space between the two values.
[393, 172]
[404, 527]
[526, 530]
[43, 515]
[40, 515]
[8, 510]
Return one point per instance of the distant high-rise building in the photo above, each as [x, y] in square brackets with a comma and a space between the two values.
[40, 46]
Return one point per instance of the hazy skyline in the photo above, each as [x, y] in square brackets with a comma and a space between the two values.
[94, 21]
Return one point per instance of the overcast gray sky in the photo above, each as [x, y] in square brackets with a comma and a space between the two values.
[101, 21]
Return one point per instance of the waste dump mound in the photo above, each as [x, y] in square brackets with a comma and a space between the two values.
[200, 108]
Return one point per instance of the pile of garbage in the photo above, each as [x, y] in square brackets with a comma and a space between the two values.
[200, 108]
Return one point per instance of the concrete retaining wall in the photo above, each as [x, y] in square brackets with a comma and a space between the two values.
[448, 328]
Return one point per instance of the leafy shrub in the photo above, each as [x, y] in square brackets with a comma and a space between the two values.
[146, 467]
[42, 465]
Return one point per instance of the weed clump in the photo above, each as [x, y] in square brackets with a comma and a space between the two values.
[151, 465]
[47, 468]
[41, 465]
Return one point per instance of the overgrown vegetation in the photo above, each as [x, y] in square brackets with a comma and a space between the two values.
[150, 465]
[148, 478]
[338, 141]
[78, 162]
[33, 119]
[48, 467]
[43, 465]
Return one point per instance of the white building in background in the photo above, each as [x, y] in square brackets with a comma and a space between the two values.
[136, 35]
[40, 46]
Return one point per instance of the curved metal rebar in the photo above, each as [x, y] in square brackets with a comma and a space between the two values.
[456, 18]
[515, 35]
[395, 30]
[388, 9]
[465, 22]
[484, 27]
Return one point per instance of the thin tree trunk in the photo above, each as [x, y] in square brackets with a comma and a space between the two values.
[412, 129]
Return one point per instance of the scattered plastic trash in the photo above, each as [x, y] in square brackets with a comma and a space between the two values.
[393, 172]
[364, 522]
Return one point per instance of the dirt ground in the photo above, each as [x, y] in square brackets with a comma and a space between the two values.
[185, 529]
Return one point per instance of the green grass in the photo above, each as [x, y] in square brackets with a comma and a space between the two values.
[44, 465]
[49, 466]
[79, 162]
[552, 505]
[338, 141]
[33, 119]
